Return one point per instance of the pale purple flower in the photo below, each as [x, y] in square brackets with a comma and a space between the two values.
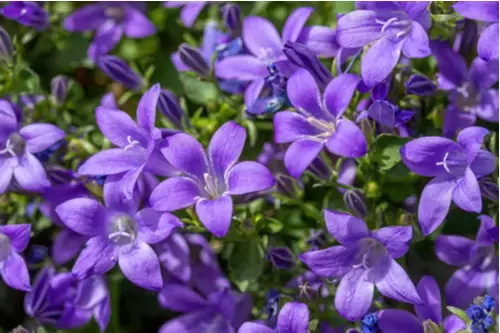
[64, 302]
[477, 263]
[109, 21]
[14, 239]
[29, 13]
[318, 122]
[485, 11]
[210, 177]
[471, 92]
[392, 27]
[454, 168]
[189, 12]
[293, 318]
[364, 259]
[118, 232]
[17, 148]
[138, 144]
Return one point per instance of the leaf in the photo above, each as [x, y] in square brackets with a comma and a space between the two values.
[246, 263]
[459, 313]
[198, 91]
[385, 150]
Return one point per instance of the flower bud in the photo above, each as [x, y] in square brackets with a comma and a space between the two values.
[6, 48]
[169, 106]
[355, 202]
[231, 14]
[59, 88]
[287, 185]
[431, 327]
[420, 85]
[489, 189]
[299, 55]
[281, 258]
[193, 59]
[118, 70]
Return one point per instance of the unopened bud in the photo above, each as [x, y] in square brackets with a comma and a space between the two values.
[170, 107]
[118, 70]
[231, 14]
[355, 202]
[489, 188]
[6, 48]
[281, 258]
[420, 85]
[287, 185]
[193, 59]
[59, 88]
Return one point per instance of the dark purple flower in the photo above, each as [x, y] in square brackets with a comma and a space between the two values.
[393, 28]
[109, 21]
[118, 232]
[210, 177]
[6, 48]
[17, 146]
[14, 239]
[477, 261]
[454, 168]
[189, 12]
[118, 70]
[318, 121]
[420, 85]
[281, 257]
[470, 90]
[59, 88]
[364, 259]
[28, 13]
[487, 46]
[138, 144]
[293, 318]
[387, 114]
[64, 302]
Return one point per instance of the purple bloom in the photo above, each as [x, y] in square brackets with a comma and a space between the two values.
[13, 240]
[210, 178]
[65, 302]
[470, 91]
[138, 144]
[293, 318]
[17, 146]
[109, 20]
[393, 28]
[477, 262]
[487, 46]
[189, 12]
[455, 167]
[364, 259]
[118, 232]
[28, 13]
[393, 320]
[266, 47]
[318, 121]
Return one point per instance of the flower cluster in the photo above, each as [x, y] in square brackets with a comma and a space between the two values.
[249, 167]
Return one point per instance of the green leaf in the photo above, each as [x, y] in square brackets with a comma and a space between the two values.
[385, 150]
[198, 91]
[459, 313]
[246, 263]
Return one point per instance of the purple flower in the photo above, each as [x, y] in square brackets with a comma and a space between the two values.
[28, 13]
[65, 302]
[420, 85]
[210, 178]
[118, 70]
[364, 259]
[189, 12]
[17, 146]
[109, 20]
[118, 232]
[470, 91]
[138, 144]
[13, 240]
[293, 318]
[318, 121]
[477, 261]
[59, 88]
[392, 28]
[266, 47]
[393, 320]
[455, 167]
[487, 46]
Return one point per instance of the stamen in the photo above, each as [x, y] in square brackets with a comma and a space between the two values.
[132, 143]
[210, 187]
[8, 148]
[444, 163]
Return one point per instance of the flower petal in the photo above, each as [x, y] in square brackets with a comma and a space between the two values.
[478, 10]
[348, 140]
[30, 174]
[6, 172]
[393, 320]
[451, 65]
[190, 12]
[113, 161]
[225, 147]
[303, 92]
[395, 239]
[40, 136]
[86, 18]
[83, 215]
[241, 67]
[18, 234]
[417, 44]
[453, 250]
[185, 154]
[339, 92]
[293, 318]
[146, 110]
[295, 23]
[137, 25]
[292, 126]
[358, 28]
[174, 193]
[15, 273]
[248, 177]
[463, 286]
[453, 324]
[467, 194]
[434, 203]
[179, 298]
[253, 91]
[300, 155]
[484, 164]
[345, 228]
[397, 285]
[354, 295]
[175, 257]
[321, 40]
[332, 262]
[155, 227]
[471, 138]
[119, 128]
[260, 37]
[141, 266]
[216, 215]
[430, 294]
[379, 60]
[250, 327]
[66, 246]
[487, 46]
[483, 74]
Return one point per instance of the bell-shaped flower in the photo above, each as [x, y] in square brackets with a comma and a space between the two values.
[318, 121]
[477, 261]
[209, 178]
[364, 259]
[455, 168]
[14, 239]
[293, 318]
[17, 149]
